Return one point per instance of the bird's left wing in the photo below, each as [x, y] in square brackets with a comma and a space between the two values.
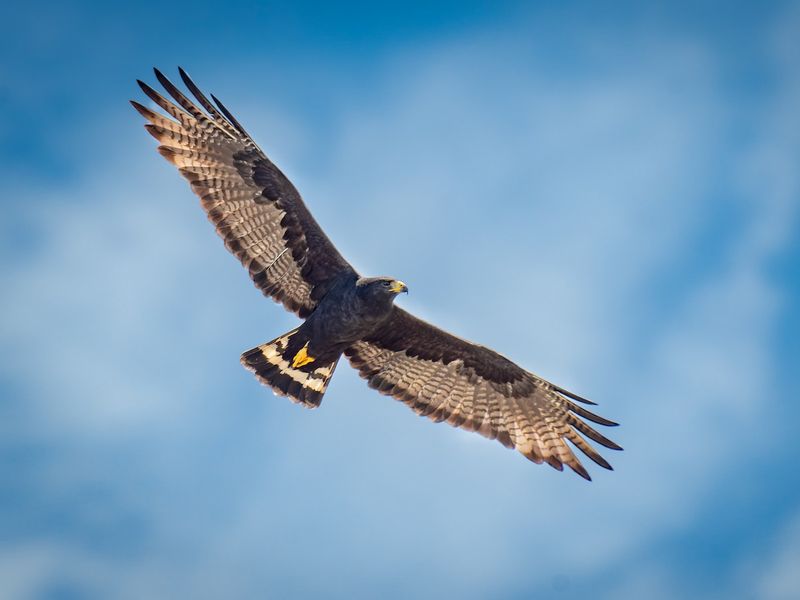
[254, 207]
[445, 378]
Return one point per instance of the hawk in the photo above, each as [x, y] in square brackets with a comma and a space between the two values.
[264, 222]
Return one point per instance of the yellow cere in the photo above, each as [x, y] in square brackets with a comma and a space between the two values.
[398, 287]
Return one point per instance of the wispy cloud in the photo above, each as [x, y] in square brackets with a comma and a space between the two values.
[569, 207]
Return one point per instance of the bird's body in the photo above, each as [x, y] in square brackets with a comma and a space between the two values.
[350, 311]
[265, 223]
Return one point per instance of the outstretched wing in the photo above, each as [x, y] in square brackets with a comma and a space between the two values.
[449, 379]
[255, 208]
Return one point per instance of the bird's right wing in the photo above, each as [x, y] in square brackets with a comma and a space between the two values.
[254, 207]
[445, 378]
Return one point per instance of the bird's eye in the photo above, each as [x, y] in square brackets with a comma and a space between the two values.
[387, 284]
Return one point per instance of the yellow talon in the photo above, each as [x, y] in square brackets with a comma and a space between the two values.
[302, 358]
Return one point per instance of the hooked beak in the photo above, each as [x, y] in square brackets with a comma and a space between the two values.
[399, 287]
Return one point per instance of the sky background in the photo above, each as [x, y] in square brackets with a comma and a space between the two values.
[607, 193]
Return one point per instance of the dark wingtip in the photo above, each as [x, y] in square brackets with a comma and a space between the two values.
[187, 80]
[609, 444]
[604, 441]
[229, 116]
[199, 96]
[569, 394]
[221, 106]
[581, 470]
[163, 80]
[582, 412]
[555, 463]
[603, 463]
[149, 92]
[195, 90]
[141, 109]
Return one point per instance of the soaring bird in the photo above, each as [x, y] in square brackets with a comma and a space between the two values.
[265, 223]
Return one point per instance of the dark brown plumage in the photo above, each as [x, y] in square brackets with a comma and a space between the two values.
[264, 222]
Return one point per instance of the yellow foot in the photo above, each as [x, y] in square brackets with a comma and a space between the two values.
[302, 357]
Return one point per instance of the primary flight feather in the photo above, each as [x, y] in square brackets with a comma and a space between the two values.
[264, 222]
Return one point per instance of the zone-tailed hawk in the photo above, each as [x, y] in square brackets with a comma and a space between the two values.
[264, 222]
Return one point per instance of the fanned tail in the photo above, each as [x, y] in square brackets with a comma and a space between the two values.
[272, 365]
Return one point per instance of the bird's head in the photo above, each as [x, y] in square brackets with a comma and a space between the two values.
[382, 287]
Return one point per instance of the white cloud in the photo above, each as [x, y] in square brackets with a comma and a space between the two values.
[578, 197]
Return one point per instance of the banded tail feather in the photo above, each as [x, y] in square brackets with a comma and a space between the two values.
[272, 365]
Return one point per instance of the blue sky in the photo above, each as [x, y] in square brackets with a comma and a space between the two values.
[608, 194]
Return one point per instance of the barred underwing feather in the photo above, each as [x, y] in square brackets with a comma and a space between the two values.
[254, 207]
[449, 379]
